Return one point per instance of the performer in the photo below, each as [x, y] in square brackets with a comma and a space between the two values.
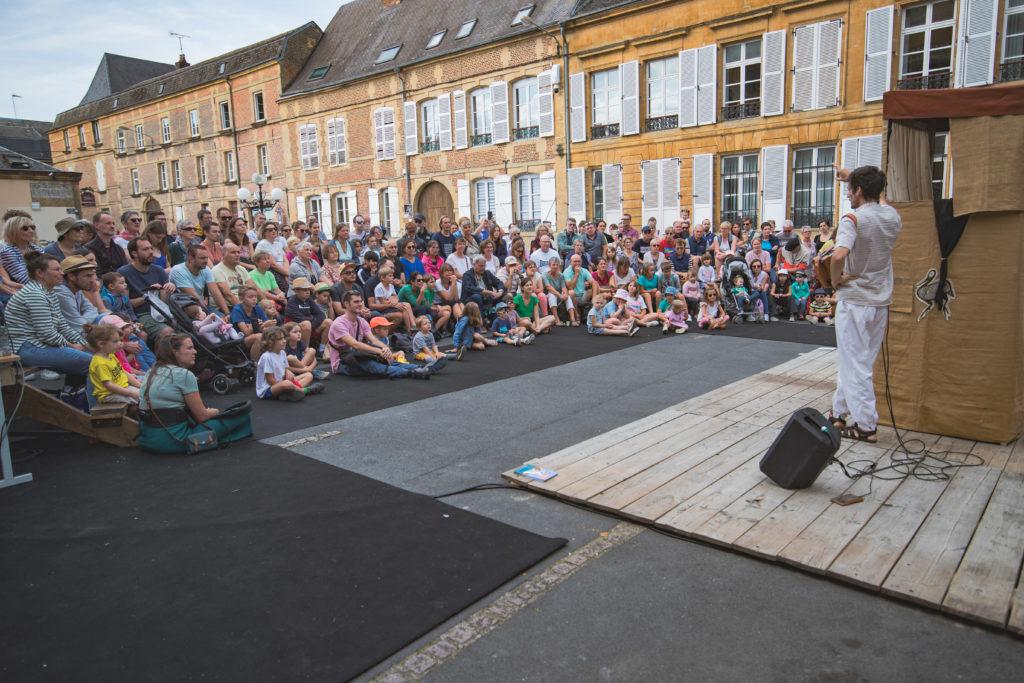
[861, 272]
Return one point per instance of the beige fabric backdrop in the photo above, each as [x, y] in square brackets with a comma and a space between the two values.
[988, 161]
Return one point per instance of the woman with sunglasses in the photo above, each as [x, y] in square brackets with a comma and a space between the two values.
[70, 237]
[761, 285]
[272, 242]
[20, 236]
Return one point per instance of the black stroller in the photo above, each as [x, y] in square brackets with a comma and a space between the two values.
[736, 308]
[222, 366]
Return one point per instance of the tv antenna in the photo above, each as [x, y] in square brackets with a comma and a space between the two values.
[179, 36]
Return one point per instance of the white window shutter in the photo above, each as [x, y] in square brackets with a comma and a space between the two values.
[499, 112]
[101, 176]
[546, 103]
[409, 128]
[774, 170]
[976, 51]
[394, 210]
[629, 88]
[378, 134]
[373, 201]
[611, 176]
[465, 206]
[548, 197]
[326, 223]
[350, 201]
[650, 184]
[669, 192]
[688, 88]
[503, 200]
[877, 52]
[300, 209]
[703, 181]
[577, 108]
[388, 118]
[461, 130]
[829, 58]
[773, 88]
[804, 38]
[707, 69]
[851, 160]
[576, 179]
[444, 121]
[870, 151]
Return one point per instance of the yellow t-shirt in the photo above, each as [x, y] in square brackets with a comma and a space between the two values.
[106, 369]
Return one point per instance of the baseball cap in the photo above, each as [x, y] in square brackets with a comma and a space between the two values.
[621, 294]
[500, 305]
[380, 321]
[349, 265]
[115, 320]
[75, 263]
[511, 261]
[799, 273]
[783, 271]
[671, 291]
[322, 287]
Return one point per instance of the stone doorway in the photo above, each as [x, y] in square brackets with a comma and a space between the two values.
[151, 209]
[435, 201]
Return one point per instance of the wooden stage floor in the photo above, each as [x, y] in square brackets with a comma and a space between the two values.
[692, 469]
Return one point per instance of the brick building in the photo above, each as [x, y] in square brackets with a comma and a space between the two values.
[175, 138]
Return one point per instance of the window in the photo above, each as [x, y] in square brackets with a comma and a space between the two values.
[81, 136]
[258, 112]
[387, 54]
[225, 116]
[663, 93]
[121, 142]
[318, 73]
[465, 29]
[429, 127]
[193, 122]
[385, 211]
[160, 89]
[597, 190]
[220, 69]
[263, 159]
[527, 108]
[436, 39]
[741, 66]
[315, 209]
[940, 155]
[336, 151]
[522, 14]
[384, 133]
[528, 205]
[97, 139]
[136, 185]
[161, 171]
[165, 129]
[309, 146]
[342, 210]
[926, 43]
[176, 173]
[813, 185]
[140, 137]
[482, 124]
[201, 171]
[230, 170]
[606, 103]
[67, 140]
[483, 192]
[739, 188]
[1013, 42]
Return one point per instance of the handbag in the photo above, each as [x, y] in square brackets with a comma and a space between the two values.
[201, 439]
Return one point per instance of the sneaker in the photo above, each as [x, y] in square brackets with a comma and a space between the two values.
[420, 373]
[314, 388]
[293, 396]
[437, 364]
[320, 374]
[773, 319]
[760, 318]
[812, 321]
[490, 342]
[528, 339]
[653, 323]
[829, 321]
[633, 330]
[680, 330]
[792, 318]
[664, 329]
[460, 352]
[515, 341]
[48, 375]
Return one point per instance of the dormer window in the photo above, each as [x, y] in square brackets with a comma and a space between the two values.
[160, 89]
[465, 29]
[220, 69]
[522, 14]
[318, 73]
[387, 54]
[436, 39]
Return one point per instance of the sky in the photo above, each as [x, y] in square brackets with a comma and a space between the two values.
[54, 46]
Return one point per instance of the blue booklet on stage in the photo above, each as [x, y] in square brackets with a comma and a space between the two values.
[534, 472]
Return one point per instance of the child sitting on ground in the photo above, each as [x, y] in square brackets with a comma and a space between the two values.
[382, 328]
[600, 321]
[781, 298]
[114, 293]
[211, 327]
[667, 279]
[424, 346]
[706, 272]
[301, 358]
[273, 378]
[110, 383]
[636, 306]
[674, 318]
[820, 310]
[691, 293]
[801, 291]
[469, 332]
[506, 328]
[712, 314]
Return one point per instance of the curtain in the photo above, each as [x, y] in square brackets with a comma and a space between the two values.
[909, 164]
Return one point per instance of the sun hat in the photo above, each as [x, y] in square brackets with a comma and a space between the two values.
[76, 263]
[301, 283]
[115, 320]
[621, 294]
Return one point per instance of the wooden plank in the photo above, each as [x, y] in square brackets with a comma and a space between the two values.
[621, 495]
[664, 498]
[43, 407]
[869, 557]
[769, 387]
[643, 458]
[688, 517]
[1016, 622]
[983, 585]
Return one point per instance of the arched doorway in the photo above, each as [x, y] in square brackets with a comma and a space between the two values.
[151, 209]
[435, 201]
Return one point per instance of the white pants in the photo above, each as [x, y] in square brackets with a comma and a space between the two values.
[859, 334]
[553, 302]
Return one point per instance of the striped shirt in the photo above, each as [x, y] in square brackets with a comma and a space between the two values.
[14, 262]
[33, 315]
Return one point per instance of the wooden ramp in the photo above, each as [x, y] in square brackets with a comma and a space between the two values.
[692, 469]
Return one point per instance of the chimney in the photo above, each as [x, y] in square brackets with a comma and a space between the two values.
[181, 63]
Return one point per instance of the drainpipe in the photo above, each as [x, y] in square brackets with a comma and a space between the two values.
[405, 155]
[565, 97]
[234, 135]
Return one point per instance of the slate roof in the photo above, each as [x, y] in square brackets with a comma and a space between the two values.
[178, 80]
[13, 161]
[117, 73]
[584, 7]
[26, 137]
[362, 28]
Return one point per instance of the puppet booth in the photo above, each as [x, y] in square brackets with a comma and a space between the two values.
[955, 344]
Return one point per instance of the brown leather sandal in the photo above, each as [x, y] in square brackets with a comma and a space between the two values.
[857, 434]
[836, 421]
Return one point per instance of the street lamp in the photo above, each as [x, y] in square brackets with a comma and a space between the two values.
[258, 202]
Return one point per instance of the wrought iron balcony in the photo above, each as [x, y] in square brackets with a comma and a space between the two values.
[482, 139]
[429, 145]
[526, 133]
[928, 82]
[661, 123]
[610, 130]
[812, 215]
[1011, 71]
[741, 110]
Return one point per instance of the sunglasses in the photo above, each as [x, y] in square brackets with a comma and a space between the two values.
[28, 228]
[187, 229]
[135, 220]
[360, 222]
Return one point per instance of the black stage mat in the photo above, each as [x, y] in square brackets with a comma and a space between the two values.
[785, 331]
[251, 563]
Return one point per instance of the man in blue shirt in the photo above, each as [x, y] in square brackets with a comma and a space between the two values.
[194, 275]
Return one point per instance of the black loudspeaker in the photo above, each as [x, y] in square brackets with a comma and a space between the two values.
[801, 451]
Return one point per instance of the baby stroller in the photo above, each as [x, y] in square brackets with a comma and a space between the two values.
[222, 366]
[734, 307]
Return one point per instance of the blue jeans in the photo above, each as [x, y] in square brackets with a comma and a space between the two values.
[375, 368]
[145, 357]
[462, 336]
[799, 305]
[59, 359]
[761, 296]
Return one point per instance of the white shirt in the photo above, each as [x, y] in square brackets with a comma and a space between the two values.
[274, 363]
[493, 264]
[277, 248]
[543, 259]
[382, 292]
[460, 263]
[870, 242]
